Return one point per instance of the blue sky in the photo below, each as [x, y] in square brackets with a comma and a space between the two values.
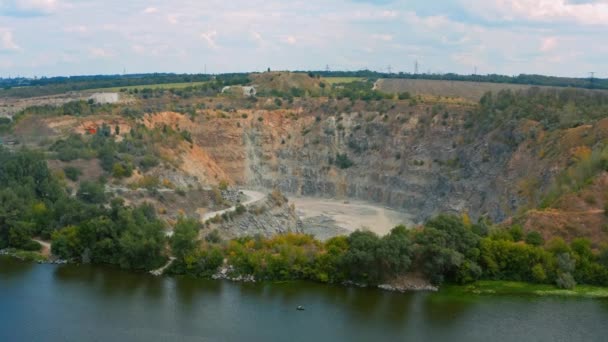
[75, 37]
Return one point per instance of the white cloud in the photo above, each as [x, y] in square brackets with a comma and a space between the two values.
[7, 43]
[548, 44]
[587, 13]
[173, 18]
[100, 53]
[150, 10]
[76, 29]
[382, 37]
[291, 40]
[209, 38]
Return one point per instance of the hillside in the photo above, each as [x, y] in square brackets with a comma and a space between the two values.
[500, 159]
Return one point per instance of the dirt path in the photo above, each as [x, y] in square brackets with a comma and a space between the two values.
[252, 198]
[351, 215]
[46, 247]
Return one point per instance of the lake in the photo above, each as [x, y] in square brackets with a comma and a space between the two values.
[94, 303]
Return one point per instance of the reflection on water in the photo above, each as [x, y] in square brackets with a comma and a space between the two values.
[65, 303]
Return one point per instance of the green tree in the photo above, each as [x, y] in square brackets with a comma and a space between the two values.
[360, 261]
[91, 192]
[185, 237]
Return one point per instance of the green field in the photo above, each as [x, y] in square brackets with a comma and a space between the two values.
[337, 80]
[153, 86]
[519, 288]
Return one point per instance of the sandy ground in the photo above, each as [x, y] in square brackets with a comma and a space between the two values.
[351, 215]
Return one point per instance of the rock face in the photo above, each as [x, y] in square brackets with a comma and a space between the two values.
[267, 218]
[420, 160]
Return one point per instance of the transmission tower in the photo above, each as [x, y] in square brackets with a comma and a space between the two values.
[416, 67]
[390, 69]
[591, 78]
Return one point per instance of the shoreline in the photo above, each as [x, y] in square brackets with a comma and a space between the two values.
[478, 288]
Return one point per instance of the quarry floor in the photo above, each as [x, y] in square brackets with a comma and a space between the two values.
[336, 217]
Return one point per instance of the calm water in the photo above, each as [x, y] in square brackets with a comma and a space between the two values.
[71, 303]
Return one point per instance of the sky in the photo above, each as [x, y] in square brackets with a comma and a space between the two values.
[83, 37]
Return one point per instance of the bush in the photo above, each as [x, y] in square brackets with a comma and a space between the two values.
[342, 161]
[517, 233]
[240, 209]
[73, 173]
[213, 237]
[534, 238]
[565, 281]
[92, 192]
[404, 96]
[538, 273]
[147, 162]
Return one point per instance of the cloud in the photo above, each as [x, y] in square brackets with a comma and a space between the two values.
[76, 29]
[173, 18]
[548, 44]
[512, 37]
[581, 12]
[100, 53]
[291, 40]
[150, 10]
[28, 8]
[209, 38]
[382, 37]
[7, 43]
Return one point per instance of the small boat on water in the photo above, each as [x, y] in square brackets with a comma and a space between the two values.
[300, 308]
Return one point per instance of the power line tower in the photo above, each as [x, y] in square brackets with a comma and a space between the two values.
[327, 68]
[389, 69]
[591, 78]
[475, 70]
[416, 67]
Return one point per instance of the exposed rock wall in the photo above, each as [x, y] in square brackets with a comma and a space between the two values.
[266, 219]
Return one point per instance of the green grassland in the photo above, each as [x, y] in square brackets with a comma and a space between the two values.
[520, 288]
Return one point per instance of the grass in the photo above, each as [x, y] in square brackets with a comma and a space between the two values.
[26, 255]
[153, 86]
[519, 288]
[337, 80]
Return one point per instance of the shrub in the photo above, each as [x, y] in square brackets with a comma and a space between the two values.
[147, 162]
[534, 238]
[517, 233]
[223, 185]
[92, 192]
[240, 209]
[73, 173]
[538, 273]
[342, 161]
[565, 281]
[213, 237]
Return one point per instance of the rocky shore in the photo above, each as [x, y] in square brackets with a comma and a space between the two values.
[402, 289]
[227, 273]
